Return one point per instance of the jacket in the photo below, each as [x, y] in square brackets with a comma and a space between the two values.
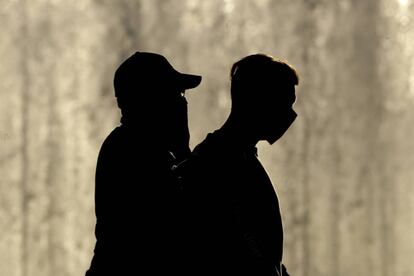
[233, 222]
[137, 207]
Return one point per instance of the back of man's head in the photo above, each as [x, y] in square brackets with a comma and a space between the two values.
[260, 77]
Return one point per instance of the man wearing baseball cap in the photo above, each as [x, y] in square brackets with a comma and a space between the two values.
[137, 203]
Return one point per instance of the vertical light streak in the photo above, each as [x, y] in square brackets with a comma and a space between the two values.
[25, 117]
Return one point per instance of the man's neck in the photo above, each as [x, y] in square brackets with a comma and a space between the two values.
[153, 136]
[239, 133]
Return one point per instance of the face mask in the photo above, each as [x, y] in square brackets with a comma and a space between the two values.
[283, 124]
[178, 132]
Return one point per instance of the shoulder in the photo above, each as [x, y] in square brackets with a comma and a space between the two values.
[111, 149]
[113, 142]
[210, 158]
[125, 142]
[116, 136]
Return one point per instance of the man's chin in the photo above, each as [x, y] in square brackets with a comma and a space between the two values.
[272, 140]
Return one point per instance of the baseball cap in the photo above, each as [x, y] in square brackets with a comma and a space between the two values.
[144, 70]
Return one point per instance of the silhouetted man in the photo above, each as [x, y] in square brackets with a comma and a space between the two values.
[136, 198]
[234, 224]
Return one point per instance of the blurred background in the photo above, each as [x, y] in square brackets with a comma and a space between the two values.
[343, 172]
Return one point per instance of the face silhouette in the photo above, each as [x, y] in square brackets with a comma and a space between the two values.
[275, 114]
[176, 125]
[162, 114]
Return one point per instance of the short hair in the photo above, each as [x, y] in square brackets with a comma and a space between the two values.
[257, 71]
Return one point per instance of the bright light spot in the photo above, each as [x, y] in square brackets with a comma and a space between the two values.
[404, 3]
[228, 6]
[403, 14]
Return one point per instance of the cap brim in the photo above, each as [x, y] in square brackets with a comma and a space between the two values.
[188, 81]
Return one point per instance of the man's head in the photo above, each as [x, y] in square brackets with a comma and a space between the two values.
[150, 94]
[263, 94]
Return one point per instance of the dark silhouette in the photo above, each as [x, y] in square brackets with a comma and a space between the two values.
[136, 197]
[233, 222]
